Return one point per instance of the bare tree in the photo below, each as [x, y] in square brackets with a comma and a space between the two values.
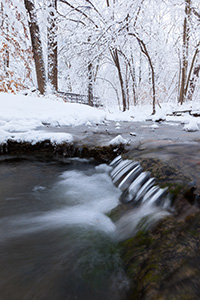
[52, 47]
[146, 53]
[115, 57]
[36, 45]
[191, 85]
[90, 84]
[4, 24]
[186, 37]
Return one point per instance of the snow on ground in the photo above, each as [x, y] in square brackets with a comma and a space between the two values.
[191, 126]
[118, 140]
[23, 118]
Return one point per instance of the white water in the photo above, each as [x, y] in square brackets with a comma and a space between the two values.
[149, 202]
[86, 197]
[83, 198]
[56, 241]
[130, 223]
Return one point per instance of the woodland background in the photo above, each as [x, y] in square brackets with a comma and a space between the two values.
[127, 53]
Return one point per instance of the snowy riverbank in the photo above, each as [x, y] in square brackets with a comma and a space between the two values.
[34, 119]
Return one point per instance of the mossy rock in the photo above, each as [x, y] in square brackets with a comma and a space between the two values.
[164, 263]
[164, 172]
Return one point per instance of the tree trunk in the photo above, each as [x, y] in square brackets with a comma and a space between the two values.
[52, 47]
[189, 80]
[146, 53]
[90, 85]
[193, 81]
[184, 67]
[36, 44]
[90, 79]
[127, 87]
[115, 57]
[6, 54]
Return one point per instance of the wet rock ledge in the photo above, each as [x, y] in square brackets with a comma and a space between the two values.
[164, 263]
[48, 149]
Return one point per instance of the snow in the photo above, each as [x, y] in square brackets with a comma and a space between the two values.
[118, 140]
[192, 126]
[22, 118]
[154, 126]
[38, 136]
[26, 118]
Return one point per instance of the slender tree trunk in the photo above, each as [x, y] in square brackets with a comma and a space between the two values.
[36, 45]
[189, 80]
[52, 47]
[134, 82]
[146, 53]
[90, 85]
[144, 50]
[127, 87]
[90, 80]
[115, 57]
[192, 85]
[6, 54]
[140, 70]
[184, 67]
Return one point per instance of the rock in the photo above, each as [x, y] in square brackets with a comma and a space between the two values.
[48, 149]
[154, 126]
[191, 127]
[118, 140]
[164, 263]
[133, 134]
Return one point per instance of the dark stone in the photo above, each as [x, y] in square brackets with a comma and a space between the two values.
[164, 263]
[48, 149]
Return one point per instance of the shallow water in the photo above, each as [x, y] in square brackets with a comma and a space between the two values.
[56, 241]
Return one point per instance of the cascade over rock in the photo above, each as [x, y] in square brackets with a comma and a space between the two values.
[136, 184]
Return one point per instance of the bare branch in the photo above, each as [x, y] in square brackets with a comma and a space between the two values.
[79, 11]
[72, 20]
[94, 7]
[195, 13]
[137, 14]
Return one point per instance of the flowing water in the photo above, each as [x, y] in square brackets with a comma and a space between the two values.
[56, 239]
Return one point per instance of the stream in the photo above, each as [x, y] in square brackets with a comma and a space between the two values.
[56, 241]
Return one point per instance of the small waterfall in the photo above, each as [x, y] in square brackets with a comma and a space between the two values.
[136, 184]
[150, 202]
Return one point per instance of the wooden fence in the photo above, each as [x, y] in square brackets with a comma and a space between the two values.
[78, 98]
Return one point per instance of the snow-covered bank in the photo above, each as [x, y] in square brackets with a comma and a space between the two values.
[25, 118]
[22, 118]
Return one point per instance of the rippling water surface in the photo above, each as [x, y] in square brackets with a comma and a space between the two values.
[56, 241]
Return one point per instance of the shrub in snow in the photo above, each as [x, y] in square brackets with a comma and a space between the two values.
[191, 127]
